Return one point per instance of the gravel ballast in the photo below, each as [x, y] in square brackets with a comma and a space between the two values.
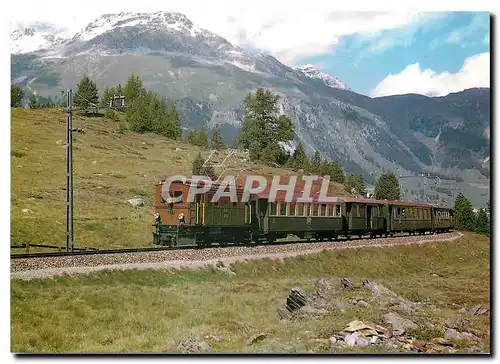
[43, 267]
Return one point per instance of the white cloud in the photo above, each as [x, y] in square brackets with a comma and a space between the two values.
[289, 33]
[475, 72]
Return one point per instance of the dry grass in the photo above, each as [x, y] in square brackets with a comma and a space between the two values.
[148, 311]
[110, 167]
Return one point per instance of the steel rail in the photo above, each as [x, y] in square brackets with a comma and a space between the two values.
[185, 247]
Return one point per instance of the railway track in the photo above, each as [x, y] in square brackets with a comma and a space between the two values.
[195, 258]
[158, 249]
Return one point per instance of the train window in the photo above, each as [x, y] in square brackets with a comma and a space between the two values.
[282, 209]
[314, 209]
[337, 210]
[291, 209]
[322, 210]
[300, 209]
[273, 209]
[307, 209]
[178, 197]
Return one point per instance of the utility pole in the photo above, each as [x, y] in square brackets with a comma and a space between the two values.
[69, 172]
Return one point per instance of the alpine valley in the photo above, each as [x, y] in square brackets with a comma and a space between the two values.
[208, 78]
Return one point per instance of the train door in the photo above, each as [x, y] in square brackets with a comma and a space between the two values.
[389, 217]
[368, 217]
[263, 214]
[348, 208]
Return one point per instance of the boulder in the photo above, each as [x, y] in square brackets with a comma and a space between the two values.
[346, 283]
[356, 339]
[191, 345]
[136, 202]
[454, 335]
[479, 310]
[296, 299]
[362, 303]
[378, 289]
[399, 324]
[323, 288]
[255, 338]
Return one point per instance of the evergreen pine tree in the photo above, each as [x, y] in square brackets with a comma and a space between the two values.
[483, 223]
[16, 95]
[132, 90]
[105, 97]
[32, 103]
[198, 165]
[86, 94]
[175, 122]
[300, 158]
[270, 154]
[262, 126]
[315, 165]
[355, 184]
[202, 138]
[337, 172]
[387, 187]
[216, 141]
[463, 213]
[360, 184]
[191, 137]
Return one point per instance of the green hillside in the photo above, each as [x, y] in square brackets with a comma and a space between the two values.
[110, 167]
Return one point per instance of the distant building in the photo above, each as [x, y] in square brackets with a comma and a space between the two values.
[117, 101]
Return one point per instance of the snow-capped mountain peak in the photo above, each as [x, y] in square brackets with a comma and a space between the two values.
[26, 38]
[158, 20]
[310, 71]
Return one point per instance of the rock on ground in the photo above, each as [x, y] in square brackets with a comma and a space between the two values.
[399, 324]
[136, 202]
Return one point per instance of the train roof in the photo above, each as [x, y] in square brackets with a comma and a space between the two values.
[314, 195]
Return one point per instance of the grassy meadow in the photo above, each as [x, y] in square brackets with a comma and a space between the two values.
[152, 310]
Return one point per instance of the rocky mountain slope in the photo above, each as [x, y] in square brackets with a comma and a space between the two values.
[310, 71]
[208, 78]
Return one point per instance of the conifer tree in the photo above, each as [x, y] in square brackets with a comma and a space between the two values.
[198, 165]
[355, 184]
[86, 93]
[387, 187]
[315, 165]
[262, 126]
[202, 138]
[175, 122]
[132, 90]
[300, 158]
[16, 95]
[32, 103]
[483, 223]
[463, 213]
[216, 141]
[105, 97]
[191, 137]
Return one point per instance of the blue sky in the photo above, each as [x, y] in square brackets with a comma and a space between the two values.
[440, 44]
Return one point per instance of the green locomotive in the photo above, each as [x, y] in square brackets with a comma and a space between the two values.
[203, 223]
